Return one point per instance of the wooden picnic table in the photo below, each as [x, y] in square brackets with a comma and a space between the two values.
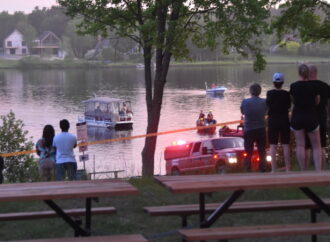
[239, 183]
[48, 191]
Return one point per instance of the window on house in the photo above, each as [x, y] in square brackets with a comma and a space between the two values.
[23, 43]
[9, 44]
[23, 51]
[12, 51]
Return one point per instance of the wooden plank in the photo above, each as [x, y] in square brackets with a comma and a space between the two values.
[255, 231]
[250, 206]
[112, 238]
[229, 182]
[52, 214]
[67, 189]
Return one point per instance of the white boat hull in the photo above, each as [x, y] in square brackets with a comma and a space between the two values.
[216, 90]
[120, 125]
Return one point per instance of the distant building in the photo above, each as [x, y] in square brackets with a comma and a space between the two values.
[47, 44]
[14, 44]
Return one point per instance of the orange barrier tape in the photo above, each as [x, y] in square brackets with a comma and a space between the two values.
[131, 137]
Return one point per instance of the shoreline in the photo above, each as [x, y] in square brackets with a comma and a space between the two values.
[79, 64]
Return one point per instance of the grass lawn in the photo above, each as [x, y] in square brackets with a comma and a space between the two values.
[130, 217]
[35, 63]
[9, 63]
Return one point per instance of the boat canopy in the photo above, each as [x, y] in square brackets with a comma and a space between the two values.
[103, 100]
[104, 108]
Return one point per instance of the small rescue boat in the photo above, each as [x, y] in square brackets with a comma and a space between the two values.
[215, 89]
[225, 131]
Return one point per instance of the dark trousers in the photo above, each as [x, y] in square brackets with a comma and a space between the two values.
[257, 136]
[68, 168]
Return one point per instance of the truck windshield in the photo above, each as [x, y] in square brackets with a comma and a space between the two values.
[220, 144]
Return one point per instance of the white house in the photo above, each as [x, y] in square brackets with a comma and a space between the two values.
[14, 44]
[47, 44]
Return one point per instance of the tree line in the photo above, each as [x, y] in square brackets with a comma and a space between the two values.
[119, 49]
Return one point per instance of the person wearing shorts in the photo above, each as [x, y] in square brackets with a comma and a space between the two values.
[324, 91]
[278, 103]
[304, 117]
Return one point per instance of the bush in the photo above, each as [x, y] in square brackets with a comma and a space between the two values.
[13, 138]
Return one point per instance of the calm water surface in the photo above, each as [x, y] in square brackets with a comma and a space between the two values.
[40, 97]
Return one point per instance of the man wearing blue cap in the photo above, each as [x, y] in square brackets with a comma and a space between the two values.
[279, 102]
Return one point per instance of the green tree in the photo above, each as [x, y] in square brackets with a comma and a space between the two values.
[13, 138]
[311, 18]
[161, 28]
[79, 44]
[37, 17]
[55, 21]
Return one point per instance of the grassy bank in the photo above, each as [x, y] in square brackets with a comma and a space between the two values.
[35, 63]
[9, 64]
[269, 59]
[130, 217]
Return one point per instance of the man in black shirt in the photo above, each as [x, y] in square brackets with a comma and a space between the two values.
[324, 91]
[278, 103]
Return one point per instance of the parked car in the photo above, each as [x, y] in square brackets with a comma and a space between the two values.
[217, 155]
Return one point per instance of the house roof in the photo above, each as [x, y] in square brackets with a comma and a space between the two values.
[45, 34]
[15, 30]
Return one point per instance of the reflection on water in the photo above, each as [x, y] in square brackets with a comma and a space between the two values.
[99, 133]
[41, 97]
[215, 95]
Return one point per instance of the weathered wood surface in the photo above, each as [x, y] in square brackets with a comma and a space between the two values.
[230, 182]
[53, 214]
[250, 206]
[255, 231]
[65, 189]
[112, 238]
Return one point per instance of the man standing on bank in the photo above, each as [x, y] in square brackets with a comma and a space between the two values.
[278, 103]
[65, 161]
[254, 111]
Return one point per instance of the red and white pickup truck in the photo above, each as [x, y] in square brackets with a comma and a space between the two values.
[217, 155]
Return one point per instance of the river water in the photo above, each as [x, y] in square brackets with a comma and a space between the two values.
[40, 97]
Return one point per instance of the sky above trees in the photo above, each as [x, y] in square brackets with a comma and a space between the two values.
[26, 6]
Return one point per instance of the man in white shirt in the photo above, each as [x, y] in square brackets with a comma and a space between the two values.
[64, 143]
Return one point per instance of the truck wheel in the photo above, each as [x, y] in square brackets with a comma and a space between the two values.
[220, 168]
[175, 172]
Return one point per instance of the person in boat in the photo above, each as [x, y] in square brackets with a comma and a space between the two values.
[98, 113]
[210, 120]
[201, 119]
[123, 109]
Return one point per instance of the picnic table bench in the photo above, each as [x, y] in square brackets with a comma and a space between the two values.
[185, 210]
[240, 232]
[111, 238]
[52, 214]
[48, 191]
[240, 183]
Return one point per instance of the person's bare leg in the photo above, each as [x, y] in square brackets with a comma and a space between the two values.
[308, 157]
[314, 137]
[287, 158]
[300, 148]
[272, 150]
[323, 152]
